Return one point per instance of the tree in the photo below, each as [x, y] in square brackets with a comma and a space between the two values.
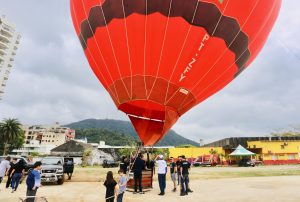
[35, 154]
[164, 152]
[17, 143]
[127, 151]
[290, 132]
[10, 131]
[86, 155]
[213, 151]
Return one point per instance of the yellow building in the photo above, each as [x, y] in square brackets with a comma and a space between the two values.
[278, 151]
[270, 150]
[194, 152]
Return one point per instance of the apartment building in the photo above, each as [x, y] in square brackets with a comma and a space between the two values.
[9, 42]
[48, 135]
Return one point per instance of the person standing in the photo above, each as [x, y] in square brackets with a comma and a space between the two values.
[161, 171]
[138, 166]
[33, 182]
[4, 167]
[124, 164]
[184, 169]
[16, 174]
[111, 186]
[173, 171]
[69, 167]
[8, 182]
[178, 162]
[122, 185]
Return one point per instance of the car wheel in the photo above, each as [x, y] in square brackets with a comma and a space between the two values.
[61, 181]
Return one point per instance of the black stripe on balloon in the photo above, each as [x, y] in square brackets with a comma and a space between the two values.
[206, 16]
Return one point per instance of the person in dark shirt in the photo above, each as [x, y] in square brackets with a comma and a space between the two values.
[152, 168]
[124, 164]
[178, 170]
[111, 186]
[138, 166]
[69, 167]
[16, 174]
[173, 171]
[184, 168]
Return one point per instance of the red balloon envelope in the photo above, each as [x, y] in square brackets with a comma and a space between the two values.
[159, 58]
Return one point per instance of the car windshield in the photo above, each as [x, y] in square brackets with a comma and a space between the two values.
[51, 161]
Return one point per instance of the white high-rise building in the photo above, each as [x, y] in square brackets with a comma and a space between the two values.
[9, 42]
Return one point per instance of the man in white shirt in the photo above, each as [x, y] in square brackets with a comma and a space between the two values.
[4, 167]
[162, 170]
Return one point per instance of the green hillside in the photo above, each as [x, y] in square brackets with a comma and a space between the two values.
[116, 132]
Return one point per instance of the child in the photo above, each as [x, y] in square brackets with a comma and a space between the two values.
[33, 181]
[111, 186]
[122, 185]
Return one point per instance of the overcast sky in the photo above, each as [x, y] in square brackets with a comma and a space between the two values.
[51, 80]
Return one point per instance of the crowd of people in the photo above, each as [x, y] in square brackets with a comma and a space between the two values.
[179, 173]
[14, 169]
[179, 169]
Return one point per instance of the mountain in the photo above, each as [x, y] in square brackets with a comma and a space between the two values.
[120, 129]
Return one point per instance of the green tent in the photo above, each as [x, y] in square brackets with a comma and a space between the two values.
[241, 151]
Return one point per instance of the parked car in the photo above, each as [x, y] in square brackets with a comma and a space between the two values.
[109, 164]
[257, 162]
[206, 160]
[28, 165]
[52, 170]
[246, 163]
[54, 167]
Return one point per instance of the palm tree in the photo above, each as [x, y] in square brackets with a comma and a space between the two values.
[10, 130]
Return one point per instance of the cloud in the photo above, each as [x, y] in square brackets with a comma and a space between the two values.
[52, 81]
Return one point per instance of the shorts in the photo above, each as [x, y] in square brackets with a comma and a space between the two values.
[173, 176]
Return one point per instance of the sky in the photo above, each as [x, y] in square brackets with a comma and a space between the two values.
[51, 80]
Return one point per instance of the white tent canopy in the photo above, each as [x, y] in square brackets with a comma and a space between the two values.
[241, 151]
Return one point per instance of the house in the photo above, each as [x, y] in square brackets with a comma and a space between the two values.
[78, 150]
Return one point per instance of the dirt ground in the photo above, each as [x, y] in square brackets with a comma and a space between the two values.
[278, 183]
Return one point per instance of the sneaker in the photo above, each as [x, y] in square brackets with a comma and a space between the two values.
[161, 194]
[182, 194]
[12, 191]
[186, 193]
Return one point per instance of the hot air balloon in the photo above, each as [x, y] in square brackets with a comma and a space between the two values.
[159, 58]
